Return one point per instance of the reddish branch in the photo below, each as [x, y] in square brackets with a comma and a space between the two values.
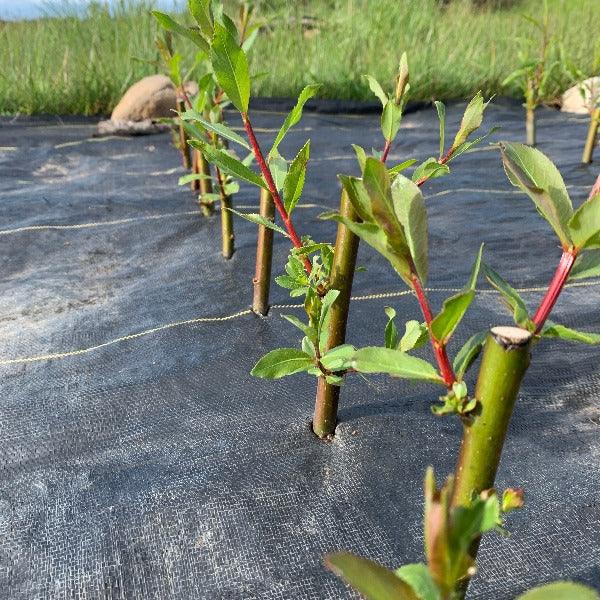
[439, 349]
[266, 172]
[386, 151]
[557, 284]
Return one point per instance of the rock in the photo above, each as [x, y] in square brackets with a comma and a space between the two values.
[150, 98]
[145, 127]
[574, 102]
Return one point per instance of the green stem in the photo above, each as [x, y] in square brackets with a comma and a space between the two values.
[591, 137]
[206, 206]
[227, 237]
[341, 278]
[530, 126]
[506, 356]
[264, 256]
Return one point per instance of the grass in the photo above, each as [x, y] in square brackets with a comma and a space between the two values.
[82, 66]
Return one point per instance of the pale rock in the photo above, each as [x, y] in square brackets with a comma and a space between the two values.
[574, 102]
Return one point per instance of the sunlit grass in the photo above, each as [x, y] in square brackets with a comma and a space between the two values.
[71, 65]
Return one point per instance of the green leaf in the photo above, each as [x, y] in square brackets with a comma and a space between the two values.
[441, 111]
[294, 180]
[371, 234]
[584, 225]
[231, 67]
[530, 170]
[168, 23]
[371, 580]
[472, 283]
[431, 169]
[228, 164]
[466, 146]
[361, 156]
[295, 114]
[374, 359]
[468, 353]
[279, 169]
[376, 88]
[510, 296]
[415, 335]
[281, 362]
[326, 302]
[391, 331]
[184, 179]
[471, 120]
[561, 590]
[358, 196]
[259, 220]
[453, 310]
[400, 167]
[221, 130]
[419, 578]
[200, 10]
[390, 120]
[308, 331]
[338, 358]
[586, 265]
[554, 330]
[409, 207]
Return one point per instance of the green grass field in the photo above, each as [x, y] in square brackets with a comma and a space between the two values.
[68, 65]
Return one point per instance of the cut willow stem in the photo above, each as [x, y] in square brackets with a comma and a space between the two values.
[530, 126]
[264, 256]
[206, 206]
[227, 237]
[506, 357]
[341, 278]
[183, 139]
[590, 142]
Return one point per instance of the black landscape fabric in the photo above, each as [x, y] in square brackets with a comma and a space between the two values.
[138, 457]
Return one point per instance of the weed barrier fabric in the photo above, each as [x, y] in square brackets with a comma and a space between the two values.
[138, 457]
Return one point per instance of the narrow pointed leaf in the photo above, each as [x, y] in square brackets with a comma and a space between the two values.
[390, 120]
[376, 88]
[395, 363]
[441, 111]
[231, 67]
[294, 180]
[200, 10]
[409, 207]
[554, 330]
[533, 172]
[370, 579]
[400, 167]
[510, 296]
[281, 362]
[358, 197]
[466, 146]
[295, 114]
[586, 265]
[259, 220]
[361, 156]
[472, 118]
[390, 335]
[431, 169]
[228, 164]
[170, 24]
[279, 170]
[584, 225]
[219, 128]
[468, 353]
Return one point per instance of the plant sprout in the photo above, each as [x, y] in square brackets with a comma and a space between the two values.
[534, 72]
[449, 534]
[202, 120]
[393, 210]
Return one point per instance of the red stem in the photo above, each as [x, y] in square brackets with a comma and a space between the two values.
[386, 151]
[266, 172]
[441, 161]
[441, 357]
[555, 288]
